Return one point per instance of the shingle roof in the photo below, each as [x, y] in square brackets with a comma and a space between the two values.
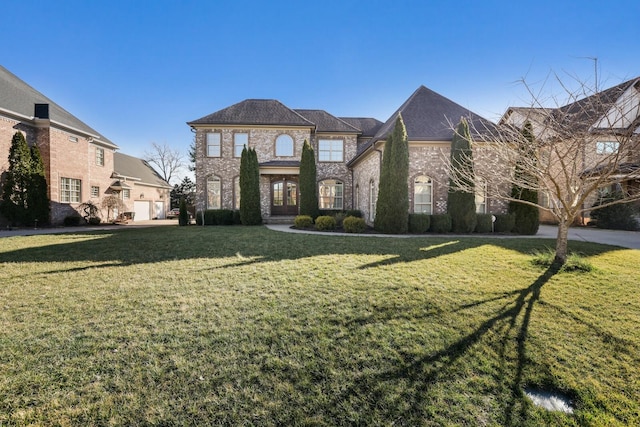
[367, 125]
[19, 98]
[133, 167]
[325, 122]
[255, 112]
[280, 163]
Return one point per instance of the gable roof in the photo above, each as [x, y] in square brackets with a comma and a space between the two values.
[138, 169]
[368, 126]
[266, 112]
[19, 99]
[325, 122]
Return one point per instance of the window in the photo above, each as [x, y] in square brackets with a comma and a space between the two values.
[95, 191]
[69, 190]
[607, 147]
[126, 194]
[330, 150]
[99, 156]
[240, 140]
[213, 144]
[236, 192]
[331, 194]
[372, 200]
[481, 197]
[357, 206]
[73, 139]
[423, 195]
[284, 146]
[213, 192]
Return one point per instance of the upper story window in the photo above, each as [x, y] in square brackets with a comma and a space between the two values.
[607, 147]
[330, 150]
[126, 194]
[73, 138]
[99, 156]
[213, 144]
[284, 146]
[240, 140]
[69, 190]
[331, 194]
[423, 195]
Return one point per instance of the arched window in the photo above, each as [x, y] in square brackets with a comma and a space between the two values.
[236, 193]
[372, 200]
[481, 196]
[331, 194]
[213, 192]
[284, 146]
[357, 201]
[423, 195]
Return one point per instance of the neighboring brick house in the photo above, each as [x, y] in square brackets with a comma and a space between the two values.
[78, 160]
[599, 121]
[142, 189]
[348, 153]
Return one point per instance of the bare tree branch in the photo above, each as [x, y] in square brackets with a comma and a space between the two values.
[169, 161]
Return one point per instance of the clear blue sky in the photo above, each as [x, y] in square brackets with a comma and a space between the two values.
[136, 71]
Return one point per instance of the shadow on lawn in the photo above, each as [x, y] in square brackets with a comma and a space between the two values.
[422, 373]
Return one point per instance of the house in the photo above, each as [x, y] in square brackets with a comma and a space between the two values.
[79, 162]
[596, 135]
[348, 155]
[144, 191]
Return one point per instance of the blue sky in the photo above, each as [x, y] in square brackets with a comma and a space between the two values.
[136, 71]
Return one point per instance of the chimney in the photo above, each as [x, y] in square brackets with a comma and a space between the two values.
[41, 111]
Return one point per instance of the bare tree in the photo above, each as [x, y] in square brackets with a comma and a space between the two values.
[583, 145]
[168, 160]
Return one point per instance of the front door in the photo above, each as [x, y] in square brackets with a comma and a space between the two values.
[284, 197]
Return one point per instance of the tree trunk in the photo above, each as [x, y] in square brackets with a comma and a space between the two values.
[562, 242]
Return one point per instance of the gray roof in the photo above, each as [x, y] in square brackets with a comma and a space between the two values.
[368, 126]
[428, 116]
[325, 122]
[133, 167]
[19, 98]
[280, 163]
[255, 112]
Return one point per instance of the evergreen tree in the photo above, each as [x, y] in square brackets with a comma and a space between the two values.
[461, 205]
[37, 199]
[392, 208]
[527, 216]
[14, 192]
[250, 213]
[308, 191]
[183, 217]
[187, 190]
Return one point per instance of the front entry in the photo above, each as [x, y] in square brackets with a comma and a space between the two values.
[284, 197]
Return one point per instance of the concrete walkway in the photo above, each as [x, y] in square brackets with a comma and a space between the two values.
[625, 239]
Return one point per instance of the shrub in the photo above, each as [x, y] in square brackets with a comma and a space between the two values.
[325, 222]
[183, 217]
[339, 217]
[72, 220]
[236, 217]
[329, 212]
[419, 223]
[616, 217]
[504, 223]
[485, 223]
[354, 212]
[440, 223]
[94, 220]
[303, 221]
[352, 224]
[216, 217]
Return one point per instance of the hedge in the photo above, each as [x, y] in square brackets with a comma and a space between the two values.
[325, 222]
[419, 223]
[504, 223]
[485, 223]
[440, 223]
[218, 217]
[352, 224]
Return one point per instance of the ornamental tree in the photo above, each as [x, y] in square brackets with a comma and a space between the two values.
[308, 192]
[250, 213]
[461, 201]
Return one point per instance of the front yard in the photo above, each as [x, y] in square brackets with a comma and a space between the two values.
[246, 326]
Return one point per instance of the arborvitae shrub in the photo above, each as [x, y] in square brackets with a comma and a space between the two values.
[485, 223]
[504, 223]
[440, 223]
[303, 221]
[419, 223]
[236, 217]
[183, 217]
[355, 212]
[352, 224]
[325, 222]
[616, 217]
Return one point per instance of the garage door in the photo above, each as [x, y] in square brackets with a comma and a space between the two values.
[142, 211]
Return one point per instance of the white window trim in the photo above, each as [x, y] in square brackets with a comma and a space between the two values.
[335, 150]
[281, 139]
[237, 148]
[214, 144]
[430, 203]
[329, 186]
[67, 190]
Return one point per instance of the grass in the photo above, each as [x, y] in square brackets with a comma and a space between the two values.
[246, 326]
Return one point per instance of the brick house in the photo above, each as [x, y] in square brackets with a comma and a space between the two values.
[348, 155]
[78, 160]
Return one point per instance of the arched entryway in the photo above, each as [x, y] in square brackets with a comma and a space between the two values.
[284, 196]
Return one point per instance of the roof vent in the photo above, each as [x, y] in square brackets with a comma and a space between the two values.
[41, 111]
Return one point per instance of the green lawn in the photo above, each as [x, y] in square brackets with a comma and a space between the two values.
[246, 326]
